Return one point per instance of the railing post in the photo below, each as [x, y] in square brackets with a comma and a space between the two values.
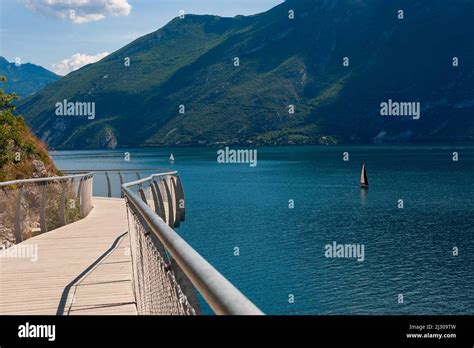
[142, 195]
[161, 206]
[109, 188]
[79, 189]
[180, 197]
[155, 197]
[177, 217]
[62, 205]
[81, 198]
[43, 224]
[170, 204]
[18, 224]
[121, 183]
[88, 193]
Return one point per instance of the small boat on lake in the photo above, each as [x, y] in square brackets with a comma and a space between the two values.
[364, 182]
[171, 158]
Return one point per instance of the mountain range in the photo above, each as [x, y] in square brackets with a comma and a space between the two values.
[208, 80]
[25, 79]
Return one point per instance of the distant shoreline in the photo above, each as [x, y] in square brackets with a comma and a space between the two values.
[239, 145]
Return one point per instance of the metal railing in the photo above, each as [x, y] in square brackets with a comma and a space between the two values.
[156, 204]
[33, 206]
[107, 173]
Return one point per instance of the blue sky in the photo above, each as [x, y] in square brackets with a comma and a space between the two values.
[42, 32]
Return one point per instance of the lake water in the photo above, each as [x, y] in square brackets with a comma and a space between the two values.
[407, 251]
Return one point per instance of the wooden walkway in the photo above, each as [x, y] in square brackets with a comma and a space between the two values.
[81, 268]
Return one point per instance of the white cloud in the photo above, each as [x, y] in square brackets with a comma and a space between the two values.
[75, 62]
[79, 11]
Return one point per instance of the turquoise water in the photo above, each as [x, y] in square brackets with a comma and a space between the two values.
[407, 251]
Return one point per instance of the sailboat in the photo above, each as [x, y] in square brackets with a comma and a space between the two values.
[171, 158]
[364, 182]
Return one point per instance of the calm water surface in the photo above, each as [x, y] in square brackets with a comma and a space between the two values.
[408, 251]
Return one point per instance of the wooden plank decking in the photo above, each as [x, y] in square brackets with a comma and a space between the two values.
[82, 268]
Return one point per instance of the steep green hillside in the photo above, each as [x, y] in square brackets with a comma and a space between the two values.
[283, 62]
[25, 79]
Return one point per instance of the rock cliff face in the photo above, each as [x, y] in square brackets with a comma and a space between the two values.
[206, 80]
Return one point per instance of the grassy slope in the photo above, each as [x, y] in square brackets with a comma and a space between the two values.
[17, 138]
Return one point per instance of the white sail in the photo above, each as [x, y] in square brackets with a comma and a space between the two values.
[171, 158]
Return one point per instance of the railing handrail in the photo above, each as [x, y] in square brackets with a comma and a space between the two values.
[112, 170]
[49, 178]
[220, 294]
[148, 178]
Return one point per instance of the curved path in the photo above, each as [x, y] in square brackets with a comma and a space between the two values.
[81, 268]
